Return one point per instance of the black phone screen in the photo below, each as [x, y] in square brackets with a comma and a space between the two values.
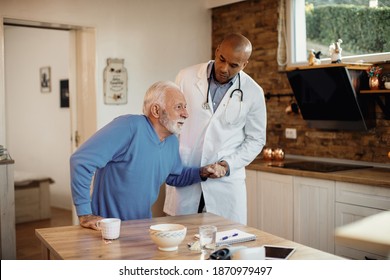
[276, 252]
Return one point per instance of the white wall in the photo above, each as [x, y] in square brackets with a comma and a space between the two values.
[155, 37]
[38, 128]
[217, 3]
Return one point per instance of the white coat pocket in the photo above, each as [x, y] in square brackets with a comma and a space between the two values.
[235, 110]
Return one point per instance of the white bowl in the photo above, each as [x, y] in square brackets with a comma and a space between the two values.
[167, 236]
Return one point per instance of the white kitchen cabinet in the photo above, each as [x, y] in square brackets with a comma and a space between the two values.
[345, 214]
[7, 209]
[314, 213]
[308, 210]
[363, 195]
[354, 202]
[275, 202]
[270, 203]
[252, 203]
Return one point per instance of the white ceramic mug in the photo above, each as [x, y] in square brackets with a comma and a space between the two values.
[110, 228]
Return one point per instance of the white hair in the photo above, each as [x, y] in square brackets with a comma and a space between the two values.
[156, 94]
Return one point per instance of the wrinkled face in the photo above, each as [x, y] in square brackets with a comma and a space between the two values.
[175, 112]
[228, 63]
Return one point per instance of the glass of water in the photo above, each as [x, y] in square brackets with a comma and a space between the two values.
[207, 238]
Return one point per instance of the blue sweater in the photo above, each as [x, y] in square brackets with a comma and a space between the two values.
[130, 164]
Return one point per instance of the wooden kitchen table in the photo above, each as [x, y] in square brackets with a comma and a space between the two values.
[78, 243]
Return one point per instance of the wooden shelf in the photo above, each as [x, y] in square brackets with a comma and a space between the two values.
[380, 91]
[351, 66]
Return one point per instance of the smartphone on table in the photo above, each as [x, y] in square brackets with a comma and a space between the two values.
[273, 252]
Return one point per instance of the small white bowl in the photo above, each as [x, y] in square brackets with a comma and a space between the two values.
[167, 236]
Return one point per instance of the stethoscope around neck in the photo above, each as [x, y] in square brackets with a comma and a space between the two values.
[238, 90]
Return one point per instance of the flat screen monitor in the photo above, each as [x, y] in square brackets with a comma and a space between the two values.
[327, 98]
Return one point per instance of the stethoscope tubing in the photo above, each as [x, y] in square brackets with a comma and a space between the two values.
[206, 105]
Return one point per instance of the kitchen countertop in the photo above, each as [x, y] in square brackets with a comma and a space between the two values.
[374, 176]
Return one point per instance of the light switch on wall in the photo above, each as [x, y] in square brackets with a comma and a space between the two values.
[291, 133]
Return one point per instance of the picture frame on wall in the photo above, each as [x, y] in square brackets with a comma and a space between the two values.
[115, 82]
[45, 79]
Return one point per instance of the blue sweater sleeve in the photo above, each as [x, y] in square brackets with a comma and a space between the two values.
[187, 177]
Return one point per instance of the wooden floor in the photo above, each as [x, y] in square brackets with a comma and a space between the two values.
[27, 244]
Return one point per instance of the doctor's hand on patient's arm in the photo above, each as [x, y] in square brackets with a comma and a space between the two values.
[89, 221]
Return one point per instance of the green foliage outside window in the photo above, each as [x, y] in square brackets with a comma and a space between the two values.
[362, 29]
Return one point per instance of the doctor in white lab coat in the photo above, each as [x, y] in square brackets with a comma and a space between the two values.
[231, 131]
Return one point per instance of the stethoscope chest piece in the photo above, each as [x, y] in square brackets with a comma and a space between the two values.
[206, 106]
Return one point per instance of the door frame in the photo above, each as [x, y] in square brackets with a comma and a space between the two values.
[82, 80]
[82, 77]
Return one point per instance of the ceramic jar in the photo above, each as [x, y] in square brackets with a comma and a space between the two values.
[386, 81]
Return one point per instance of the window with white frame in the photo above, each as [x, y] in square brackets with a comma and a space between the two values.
[300, 27]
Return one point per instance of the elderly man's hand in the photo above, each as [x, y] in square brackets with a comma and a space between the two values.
[216, 170]
[89, 221]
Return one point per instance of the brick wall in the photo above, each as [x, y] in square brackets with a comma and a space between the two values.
[257, 20]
